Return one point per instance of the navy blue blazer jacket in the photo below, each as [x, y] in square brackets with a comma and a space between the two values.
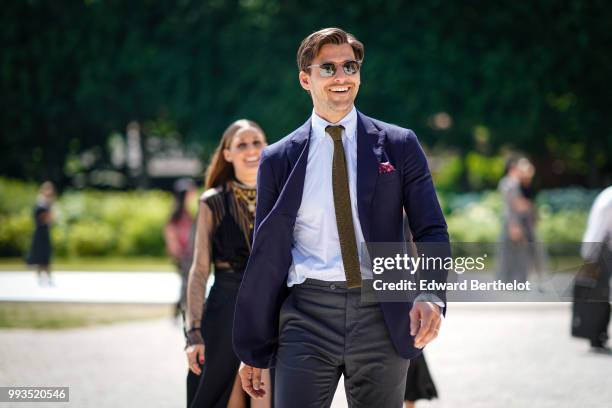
[381, 199]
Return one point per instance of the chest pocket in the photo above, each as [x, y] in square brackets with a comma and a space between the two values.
[388, 178]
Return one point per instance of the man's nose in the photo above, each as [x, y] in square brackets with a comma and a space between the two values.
[340, 74]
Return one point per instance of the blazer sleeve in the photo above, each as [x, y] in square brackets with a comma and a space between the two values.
[423, 210]
[253, 329]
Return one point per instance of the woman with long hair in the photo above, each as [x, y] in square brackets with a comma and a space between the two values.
[224, 233]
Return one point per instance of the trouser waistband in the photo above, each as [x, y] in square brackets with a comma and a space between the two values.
[330, 286]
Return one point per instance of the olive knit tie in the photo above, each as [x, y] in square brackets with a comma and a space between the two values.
[344, 215]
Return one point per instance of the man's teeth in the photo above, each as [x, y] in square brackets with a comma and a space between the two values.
[343, 89]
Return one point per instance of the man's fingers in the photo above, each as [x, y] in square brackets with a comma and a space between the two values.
[433, 331]
[256, 379]
[430, 325]
[415, 318]
[437, 328]
[423, 330]
[248, 377]
[244, 374]
[425, 321]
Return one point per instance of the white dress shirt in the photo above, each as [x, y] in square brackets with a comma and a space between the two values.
[599, 227]
[316, 245]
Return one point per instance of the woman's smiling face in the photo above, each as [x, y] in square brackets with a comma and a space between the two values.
[244, 152]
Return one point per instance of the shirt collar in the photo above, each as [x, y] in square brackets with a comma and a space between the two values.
[349, 122]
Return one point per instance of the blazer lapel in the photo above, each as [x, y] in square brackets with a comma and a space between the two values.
[369, 150]
[298, 142]
[290, 198]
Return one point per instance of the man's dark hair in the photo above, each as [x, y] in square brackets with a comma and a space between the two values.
[311, 45]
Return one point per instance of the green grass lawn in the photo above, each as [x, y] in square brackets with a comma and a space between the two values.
[132, 264]
[45, 315]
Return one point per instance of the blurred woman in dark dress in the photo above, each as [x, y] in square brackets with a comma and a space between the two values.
[224, 233]
[178, 236]
[40, 250]
[419, 383]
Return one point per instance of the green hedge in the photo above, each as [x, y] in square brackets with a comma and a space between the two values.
[15, 233]
[476, 217]
[88, 223]
[92, 223]
[15, 196]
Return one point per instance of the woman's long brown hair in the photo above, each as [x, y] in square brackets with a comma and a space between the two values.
[220, 171]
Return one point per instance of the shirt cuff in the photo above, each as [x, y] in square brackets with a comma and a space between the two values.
[430, 297]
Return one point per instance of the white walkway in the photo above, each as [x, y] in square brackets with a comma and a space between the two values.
[487, 356]
[94, 287]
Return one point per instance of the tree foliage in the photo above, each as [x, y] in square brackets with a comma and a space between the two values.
[529, 75]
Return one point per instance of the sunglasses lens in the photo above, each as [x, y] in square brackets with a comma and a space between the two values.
[350, 67]
[327, 70]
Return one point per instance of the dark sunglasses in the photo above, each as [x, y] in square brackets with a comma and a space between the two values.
[328, 69]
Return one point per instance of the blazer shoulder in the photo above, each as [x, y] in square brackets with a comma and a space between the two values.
[278, 149]
[394, 132]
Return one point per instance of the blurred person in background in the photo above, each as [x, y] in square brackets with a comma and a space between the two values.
[40, 250]
[419, 383]
[517, 257]
[591, 308]
[538, 263]
[177, 234]
[224, 234]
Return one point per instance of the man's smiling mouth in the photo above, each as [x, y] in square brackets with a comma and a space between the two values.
[339, 89]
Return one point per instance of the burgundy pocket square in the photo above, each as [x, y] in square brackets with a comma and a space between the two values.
[385, 167]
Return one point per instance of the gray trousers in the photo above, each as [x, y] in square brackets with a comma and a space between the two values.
[326, 331]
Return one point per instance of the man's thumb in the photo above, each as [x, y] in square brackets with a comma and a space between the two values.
[414, 322]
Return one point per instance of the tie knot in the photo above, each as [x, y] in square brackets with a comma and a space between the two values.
[335, 132]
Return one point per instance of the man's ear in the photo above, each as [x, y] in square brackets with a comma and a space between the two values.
[304, 80]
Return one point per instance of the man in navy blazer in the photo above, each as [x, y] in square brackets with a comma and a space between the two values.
[296, 310]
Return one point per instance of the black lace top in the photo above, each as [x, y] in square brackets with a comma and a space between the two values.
[232, 226]
[223, 239]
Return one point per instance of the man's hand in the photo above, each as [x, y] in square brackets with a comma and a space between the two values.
[425, 322]
[195, 354]
[251, 381]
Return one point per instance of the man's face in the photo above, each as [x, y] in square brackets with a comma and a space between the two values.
[332, 97]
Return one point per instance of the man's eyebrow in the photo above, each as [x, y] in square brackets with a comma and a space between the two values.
[332, 62]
